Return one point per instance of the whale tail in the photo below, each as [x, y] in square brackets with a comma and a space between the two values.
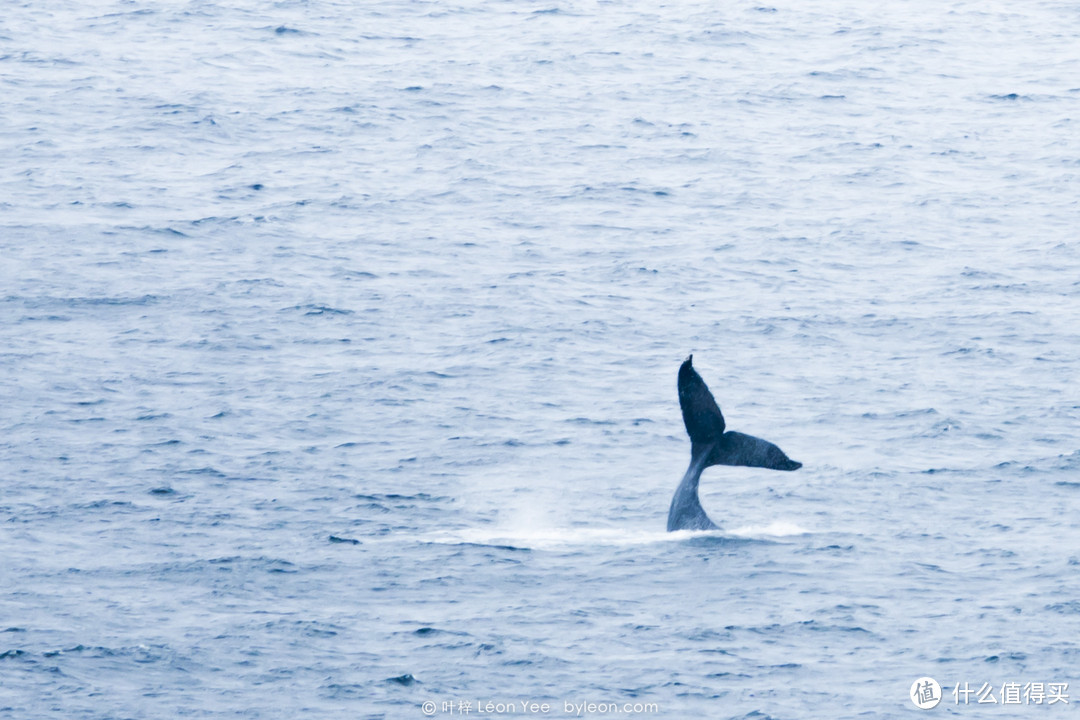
[705, 425]
[710, 445]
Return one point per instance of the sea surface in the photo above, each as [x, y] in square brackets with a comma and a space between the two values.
[338, 346]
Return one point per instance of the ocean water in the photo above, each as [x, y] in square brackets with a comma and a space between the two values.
[338, 346]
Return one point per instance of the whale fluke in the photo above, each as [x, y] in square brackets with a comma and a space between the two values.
[710, 445]
[700, 413]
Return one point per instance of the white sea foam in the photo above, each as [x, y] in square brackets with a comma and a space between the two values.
[777, 528]
[562, 537]
[554, 537]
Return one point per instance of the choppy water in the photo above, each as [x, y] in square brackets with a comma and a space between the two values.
[338, 346]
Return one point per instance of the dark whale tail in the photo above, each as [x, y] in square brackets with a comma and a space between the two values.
[700, 413]
[711, 445]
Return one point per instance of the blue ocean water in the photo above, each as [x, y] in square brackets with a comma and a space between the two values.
[338, 347]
